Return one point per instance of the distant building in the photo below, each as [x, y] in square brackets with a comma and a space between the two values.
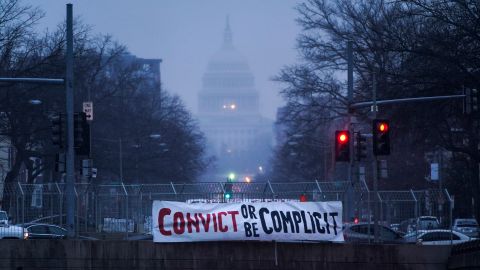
[229, 114]
[148, 67]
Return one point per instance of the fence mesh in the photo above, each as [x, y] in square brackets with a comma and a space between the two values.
[126, 208]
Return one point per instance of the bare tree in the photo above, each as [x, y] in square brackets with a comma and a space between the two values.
[128, 102]
[415, 48]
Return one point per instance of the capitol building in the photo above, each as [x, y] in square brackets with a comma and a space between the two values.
[228, 110]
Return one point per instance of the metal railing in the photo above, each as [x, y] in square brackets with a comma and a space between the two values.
[127, 208]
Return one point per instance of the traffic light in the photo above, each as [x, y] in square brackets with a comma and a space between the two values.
[59, 130]
[81, 134]
[361, 146]
[303, 198]
[474, 99]
[342, 145]
[381, 137]
[471, 101]
[228, 193]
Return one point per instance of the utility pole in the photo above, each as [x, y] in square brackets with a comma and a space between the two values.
[375, 166]
[349, 202]
[70, 156]
[68, 84]
[120, 158]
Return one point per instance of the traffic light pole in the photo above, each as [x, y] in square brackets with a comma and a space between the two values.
[375, 167]
[68, 83]
[70, 156]
[404, 100]
[349, 202]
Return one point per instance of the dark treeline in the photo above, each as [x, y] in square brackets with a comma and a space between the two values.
[135, 120]
[415, 48]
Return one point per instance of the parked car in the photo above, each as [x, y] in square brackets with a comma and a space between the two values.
[395, 226]
[8, 231]
[364, 233]
[436, 237]
[407, 226]
[45, 231]
[467, 226]
[427, 223]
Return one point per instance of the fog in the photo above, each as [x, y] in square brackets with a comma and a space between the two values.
[186, 33]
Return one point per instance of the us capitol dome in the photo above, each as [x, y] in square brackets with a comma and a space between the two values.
[228, 110]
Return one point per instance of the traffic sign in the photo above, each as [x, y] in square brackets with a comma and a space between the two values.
[88, 110]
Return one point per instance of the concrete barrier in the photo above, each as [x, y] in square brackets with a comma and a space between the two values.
[465, 256]
[78, 254]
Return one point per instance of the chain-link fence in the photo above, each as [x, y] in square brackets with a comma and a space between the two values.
[122, 208]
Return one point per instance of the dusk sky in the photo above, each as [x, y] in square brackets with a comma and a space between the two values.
[186, 33]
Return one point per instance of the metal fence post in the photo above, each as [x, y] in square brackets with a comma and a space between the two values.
[85, 207]
[381, 205]
[174, 191]
[271, 189]
[60, 203]
[22, 193]
[127, 220]
[141, 214]
[75, 205]
[96, 202]
[415, 213]
[319, 188]
[450, 213]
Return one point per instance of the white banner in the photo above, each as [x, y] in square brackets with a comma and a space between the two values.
[266, 221]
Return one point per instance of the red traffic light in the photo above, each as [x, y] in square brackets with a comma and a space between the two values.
[382, 127]
[381, 137]
[303, 198]
[356, 220]
[342, 137]
[342, 145]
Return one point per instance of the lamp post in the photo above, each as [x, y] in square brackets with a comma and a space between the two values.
[293, 142]
[120, 142]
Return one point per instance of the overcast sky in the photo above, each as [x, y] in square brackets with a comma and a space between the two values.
[186, 33]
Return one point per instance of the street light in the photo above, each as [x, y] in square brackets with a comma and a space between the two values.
[35, 101]
[297, 144]
[155, 136]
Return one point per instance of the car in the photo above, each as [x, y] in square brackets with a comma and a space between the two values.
[427, 223]
[395, 226]
[467, 226]
[8, 231]
[364, 233]
[436, 237]
[407, 226]
[45, 231]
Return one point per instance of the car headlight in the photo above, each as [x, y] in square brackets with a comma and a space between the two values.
[25, 235]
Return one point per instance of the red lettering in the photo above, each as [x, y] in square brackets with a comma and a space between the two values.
[191, 222]
[178, 227]
[214, 222]
[222, 228]
[161, 215]
[205, 223]
[234, 221]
